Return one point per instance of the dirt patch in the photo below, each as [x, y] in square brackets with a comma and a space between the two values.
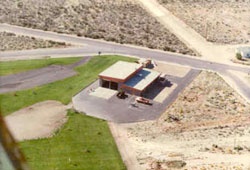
[170, 69]
[40, 120]
[122, 21]
[220, 21]
[208, 127]
[10, 41]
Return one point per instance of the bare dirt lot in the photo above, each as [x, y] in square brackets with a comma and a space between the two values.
[208, 127]
[220, 21]
[10, 41]
[122, 21]
[37, 121]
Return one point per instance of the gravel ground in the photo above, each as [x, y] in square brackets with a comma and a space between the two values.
[10, 41]
[121, 21]
[220, 21]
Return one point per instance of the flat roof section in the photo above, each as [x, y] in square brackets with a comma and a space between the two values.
[142, 79]
[120, 70]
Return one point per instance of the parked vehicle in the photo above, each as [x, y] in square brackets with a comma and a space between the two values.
[143, 100]
[121, 95]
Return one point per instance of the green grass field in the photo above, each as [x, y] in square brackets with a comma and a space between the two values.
[84, 143]
[62, 90]
[12, 67]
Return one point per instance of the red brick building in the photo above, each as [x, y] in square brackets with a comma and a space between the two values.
[132, 78]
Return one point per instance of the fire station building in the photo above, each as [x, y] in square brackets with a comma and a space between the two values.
[132, 78]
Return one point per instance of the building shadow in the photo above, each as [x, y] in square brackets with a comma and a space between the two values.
[156, 88]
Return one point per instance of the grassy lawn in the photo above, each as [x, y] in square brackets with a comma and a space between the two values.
[62, 90]
[84, 143]
[12, 67]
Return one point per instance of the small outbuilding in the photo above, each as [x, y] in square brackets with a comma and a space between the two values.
[132, 78]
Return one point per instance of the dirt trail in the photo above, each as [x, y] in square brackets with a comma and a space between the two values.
[186, 34]
[127, 153]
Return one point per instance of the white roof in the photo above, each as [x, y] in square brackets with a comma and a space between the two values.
[142, 79]
[120, 70]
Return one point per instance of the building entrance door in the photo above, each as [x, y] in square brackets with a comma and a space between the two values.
[113, 85]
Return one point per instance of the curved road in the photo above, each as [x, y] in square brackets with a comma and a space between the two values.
[92, 47]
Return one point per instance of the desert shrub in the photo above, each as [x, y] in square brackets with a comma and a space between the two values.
[176, 164]
[79, 34]
[238, 148]
[238, 56]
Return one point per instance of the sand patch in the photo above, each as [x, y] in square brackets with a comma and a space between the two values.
[171, 69]
[37, 121]
[69, 3]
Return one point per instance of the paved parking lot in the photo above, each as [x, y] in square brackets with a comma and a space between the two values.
[121, 110]
[114, 109]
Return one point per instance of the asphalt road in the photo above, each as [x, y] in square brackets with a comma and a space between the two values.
[92, 47]
[33, 78]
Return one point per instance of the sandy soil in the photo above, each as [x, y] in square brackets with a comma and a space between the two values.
[207, 50]
[122, 21]
[10, 41]
[171, 69]
[220, 21]
[208, 127]
[40, 120]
